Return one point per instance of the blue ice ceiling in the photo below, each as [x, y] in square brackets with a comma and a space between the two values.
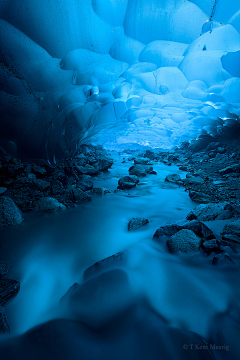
[139, 71]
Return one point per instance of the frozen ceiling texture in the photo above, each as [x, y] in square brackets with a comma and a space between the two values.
[119, 72]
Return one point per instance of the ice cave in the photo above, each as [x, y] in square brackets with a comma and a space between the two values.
[119, 179]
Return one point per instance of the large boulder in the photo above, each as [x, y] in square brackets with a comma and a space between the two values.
[173, 178]
[210, 212]
[184, 241]
[85, 183]
[9, 212]
[140, 170]
[4, 328]
[49, 205]
[127, 182]
[231, 231]
[199, 228]
[136, 223]
[114, 261]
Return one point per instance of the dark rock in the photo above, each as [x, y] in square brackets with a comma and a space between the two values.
[85, 183]
[211, 211]
[184, 241]
[211, 245]
[230, 169]
[4, 328]
[87, 170]
[212, 154]
[141, 161]
[110, 262]
[153, 172]
[91, 160]
[222, 259]
[199, 228]
[183, 168]
[213, 146]
[42, 184]
[13, 170]
[173, 158]
[48, 205]
[8, 288]
[57, 188]
[9, 212]
[231, 231]
[104, 164]
[150, 155]
[80, 196]
[83, 300]
[4, 267]
[38, 170]
[128, 182]
[140, 170]
[136, 223]
[193, 180]
[173, 178]
[221, 150]
[2, 190]
[200, 197]
[100, 191]
[49, 169]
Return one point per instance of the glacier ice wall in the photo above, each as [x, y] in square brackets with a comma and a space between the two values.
[116, 71]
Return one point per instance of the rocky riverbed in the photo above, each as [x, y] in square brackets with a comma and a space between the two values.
[175, 209]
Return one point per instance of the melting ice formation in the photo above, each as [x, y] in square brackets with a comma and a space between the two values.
[147, 72]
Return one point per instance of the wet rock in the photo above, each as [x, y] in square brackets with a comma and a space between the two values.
[150, 155]
[222, 259]
[85, 183]
[2, 190]
[199, 228]
[136, 223]
[13, 170]
[193, 180]
[128, 182]
[212, 211]
[4, 267]
[48, 205]
[38, 170]
[221, 150]
[141, 161]
[213, 146]
[100, 191]
[57, 188]
[173, 178]
[83, 300]
[200, 197]
[80, 196]
[49, 169]
[9, 212]
[184, 241]
[87, 170]
[231, 231]
[211, 245]
[173, 158]
[42, 184]
[116, 260]
[140, 170]
[183, 167]
[230, 169]
[8, 288]
[4, 328]
[104, 164]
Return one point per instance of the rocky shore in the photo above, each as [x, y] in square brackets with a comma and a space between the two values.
[212, 177]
